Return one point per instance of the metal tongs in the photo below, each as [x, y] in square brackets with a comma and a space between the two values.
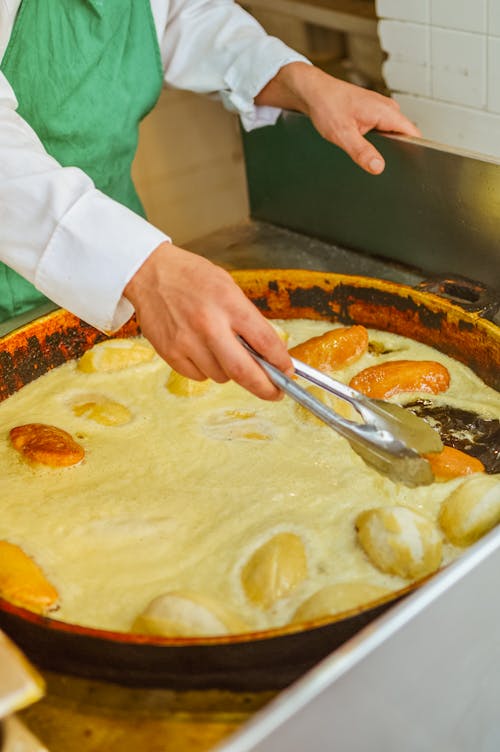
[391, 439]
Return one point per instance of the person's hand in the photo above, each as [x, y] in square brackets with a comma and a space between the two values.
[341, 112]
[190, 310]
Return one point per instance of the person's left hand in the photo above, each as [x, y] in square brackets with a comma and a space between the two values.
[341, 112]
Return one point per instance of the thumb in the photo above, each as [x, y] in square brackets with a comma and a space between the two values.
[363, 152]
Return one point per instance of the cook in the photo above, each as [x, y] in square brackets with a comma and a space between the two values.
[76, 79]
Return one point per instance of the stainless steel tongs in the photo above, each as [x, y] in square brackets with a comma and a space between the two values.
[391, 439]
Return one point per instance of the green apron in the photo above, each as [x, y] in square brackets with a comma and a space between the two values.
[85, 73]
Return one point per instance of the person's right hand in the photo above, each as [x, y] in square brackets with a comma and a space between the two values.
[190, 310]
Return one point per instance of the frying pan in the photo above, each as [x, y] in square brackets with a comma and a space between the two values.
[274, 658]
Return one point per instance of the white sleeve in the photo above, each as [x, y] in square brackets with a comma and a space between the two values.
[76, 245]
[214, 46]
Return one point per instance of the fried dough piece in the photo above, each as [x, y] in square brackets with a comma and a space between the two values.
[238, 425]
[274, 570]
[333, 349]
[48, 445]
[106, 412]
[23, 583]
[115, 355]
[452, 463]
[183, 613]
[400, 541]
[332, 599]
[471, 510]
[182, 386]
[396, 376]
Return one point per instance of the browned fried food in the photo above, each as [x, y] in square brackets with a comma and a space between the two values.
[22, 582]
[452, 463]
[334, 349]
[48, 445]
[396, 376]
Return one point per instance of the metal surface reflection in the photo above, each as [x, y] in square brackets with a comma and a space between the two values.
[433, 208]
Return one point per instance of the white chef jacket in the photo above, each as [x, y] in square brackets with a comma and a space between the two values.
[75, 244]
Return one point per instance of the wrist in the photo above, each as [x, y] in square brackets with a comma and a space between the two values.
[288, 87]
[146, 272]
[297, 79]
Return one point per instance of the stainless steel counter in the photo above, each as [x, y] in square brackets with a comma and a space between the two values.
[259, 245]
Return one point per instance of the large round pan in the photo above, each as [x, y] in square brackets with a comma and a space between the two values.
[265, 660]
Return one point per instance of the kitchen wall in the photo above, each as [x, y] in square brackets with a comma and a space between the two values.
[443, 67]
[189, 168]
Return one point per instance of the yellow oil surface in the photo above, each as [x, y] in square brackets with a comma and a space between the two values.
[182, 495]
[84, 715]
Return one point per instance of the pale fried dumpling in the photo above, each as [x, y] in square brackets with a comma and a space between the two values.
[274, 570]
[471, 509]
[181, 386]
[115, 355]
[340, 406]
[187, 614]
[341, 596]
[105, 411]
[23, 583]
[400, 541]
[238, 425]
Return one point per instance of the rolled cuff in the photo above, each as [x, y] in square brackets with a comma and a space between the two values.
[253, 69]
[93, 253]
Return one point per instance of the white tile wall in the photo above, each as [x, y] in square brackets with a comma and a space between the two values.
[467, 15]
[408, 67]
[443, 65]
[458, 67]
[406, 10]
[456, 126]
[494, 17]
[493, 87]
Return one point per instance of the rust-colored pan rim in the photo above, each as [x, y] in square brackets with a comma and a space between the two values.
[133, 638]
[299, 276]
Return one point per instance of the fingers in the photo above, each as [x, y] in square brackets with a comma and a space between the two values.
[245, 319]
[212, 351]
[392, 120]
[263, 338]
[241, 367]
[207, 364]
[343, 113]
[236, 362]
[221, 359]
[363, 152]
[186, 367]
